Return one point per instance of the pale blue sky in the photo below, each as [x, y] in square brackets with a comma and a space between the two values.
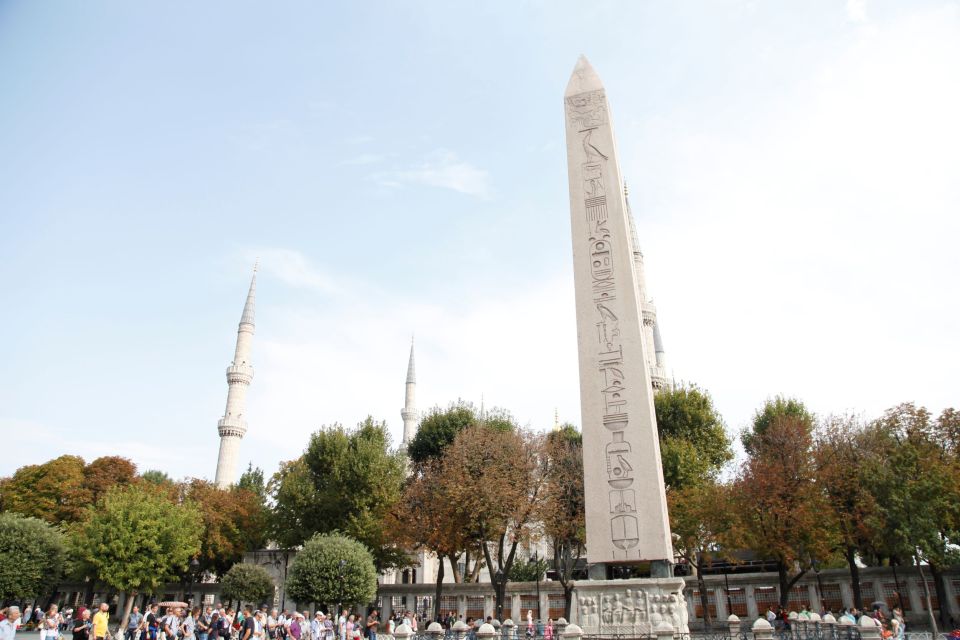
[399, 167]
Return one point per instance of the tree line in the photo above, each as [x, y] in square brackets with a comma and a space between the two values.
[475, 489]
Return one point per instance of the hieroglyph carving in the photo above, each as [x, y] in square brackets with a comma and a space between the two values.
[587, 111]
[632, 611]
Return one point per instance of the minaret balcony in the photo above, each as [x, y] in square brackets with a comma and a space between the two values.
[649, 313]
[658, 378]
[408, 415]
[242, 373]
[231, 426]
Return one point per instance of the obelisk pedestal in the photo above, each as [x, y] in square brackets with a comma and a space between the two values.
[626, 506]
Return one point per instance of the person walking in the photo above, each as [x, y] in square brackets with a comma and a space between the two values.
[8, 626]
[101, 619]
[133, 624]
[190, 624]
[81, 625]
[373, 624]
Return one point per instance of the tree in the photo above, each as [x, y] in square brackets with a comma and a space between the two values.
[350, 481]
[916, 489]
[774, 410]
[702, 521]
[53, 491]
[784, 514]
[234, 521]
[34, 554]
[437, 430]
[427, 518]
[156, 477]
[562, 512]
[136, 539]
[104, 473]
[528, 570]
[333, 570]
[499, 479]
[247, 583]
[291, 519]
[845, 454]
[693, 441]
[252, 480]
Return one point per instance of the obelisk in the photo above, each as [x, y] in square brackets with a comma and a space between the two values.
[626, 506]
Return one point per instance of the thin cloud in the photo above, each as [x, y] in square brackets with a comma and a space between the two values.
[293, 269]
[442, 169]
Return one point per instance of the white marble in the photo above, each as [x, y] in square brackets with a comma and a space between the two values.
[632, 608]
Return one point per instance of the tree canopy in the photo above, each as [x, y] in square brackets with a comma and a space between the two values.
[34, 554]
[332, 570]
[247, 583]
[693, 441]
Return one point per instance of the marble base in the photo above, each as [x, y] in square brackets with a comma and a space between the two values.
[630, 608]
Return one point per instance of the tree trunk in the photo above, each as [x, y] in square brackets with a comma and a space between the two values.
[941, 595]
[786, 582]
[704, 599]
[568, 600]
[127, 607]
[439, 590]
[926, 595]
[851, 556]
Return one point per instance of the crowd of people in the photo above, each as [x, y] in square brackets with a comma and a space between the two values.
[893, 626]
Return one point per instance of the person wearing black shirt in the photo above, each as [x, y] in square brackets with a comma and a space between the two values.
[81, 626]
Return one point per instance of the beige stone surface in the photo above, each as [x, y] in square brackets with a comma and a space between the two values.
[631, 608]
[626, 508]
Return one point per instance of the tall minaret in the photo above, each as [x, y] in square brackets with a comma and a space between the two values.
[409, 412]
[232, 426]
[651, 329]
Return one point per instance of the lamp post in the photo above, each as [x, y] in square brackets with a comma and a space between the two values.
[726, 582]
[194, 566]
[343, 564]
[536, 566]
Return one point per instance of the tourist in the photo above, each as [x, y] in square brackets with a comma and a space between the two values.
[328, 630]
[203, 624]
[151, 624]
[9, 624]
[133, 624]
[27, 613]
[190, 624]
[51, 624]
[171, 623]
[81, 625]
[548, 630]
[342, 625]
[530, 629]
[373, 624]
[295, 631]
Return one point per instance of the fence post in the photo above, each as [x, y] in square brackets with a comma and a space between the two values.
[560, 625]
[762, 630]
[814, 625]
[869, 628]
[664, 631]
[829, 624]
[459, 628]
[486, 632]
[435, 630]
[572, 632]
[506, 629]
[403, 632]
[733, 624]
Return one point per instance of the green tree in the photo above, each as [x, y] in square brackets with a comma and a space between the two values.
[528, 570]
[354, 482]
[136, 538]
[156, 477]
[693, 441]
[291, 519]
[333, 570]
[252, 480]
[247, 583]
[778, 408]
[438, 429]
[917, 490]
[34, 554]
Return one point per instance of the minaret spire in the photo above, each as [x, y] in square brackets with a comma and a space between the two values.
[653, 349]
[233, 425]
[409, 412]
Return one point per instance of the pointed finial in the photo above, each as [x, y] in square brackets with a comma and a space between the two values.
[256, 264]
[411, 367]
[250, 305]
[556, 419]
[583, 78]
[626, 191]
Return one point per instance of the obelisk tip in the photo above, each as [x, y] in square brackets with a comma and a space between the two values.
[584, 78]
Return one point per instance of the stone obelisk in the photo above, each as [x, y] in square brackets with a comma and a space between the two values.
[626, 506]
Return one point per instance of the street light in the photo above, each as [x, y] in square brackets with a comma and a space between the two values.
[536, 567]
[194, 566]
[343, 564]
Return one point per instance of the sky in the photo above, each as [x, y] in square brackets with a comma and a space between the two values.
[399, 169]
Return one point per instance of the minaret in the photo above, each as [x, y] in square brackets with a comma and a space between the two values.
[232, 426]
[409, 412]
[651, 332]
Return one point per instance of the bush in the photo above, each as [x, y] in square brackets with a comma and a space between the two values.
[333, 570]
[247, 583]
[34, 554]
